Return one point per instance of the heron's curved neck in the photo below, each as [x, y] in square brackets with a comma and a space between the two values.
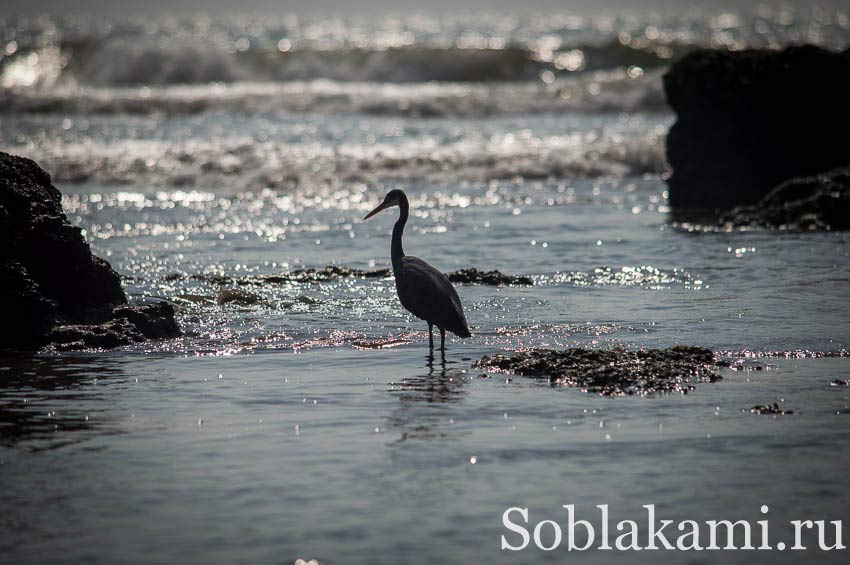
[398, 230]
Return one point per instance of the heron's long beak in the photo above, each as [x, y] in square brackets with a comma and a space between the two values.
[380, 207]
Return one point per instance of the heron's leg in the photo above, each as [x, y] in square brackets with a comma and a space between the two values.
[431, 335]
[442, 339]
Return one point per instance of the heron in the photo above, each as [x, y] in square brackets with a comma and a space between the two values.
[423, 290]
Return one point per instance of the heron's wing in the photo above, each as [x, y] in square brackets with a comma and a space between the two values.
[429, 295]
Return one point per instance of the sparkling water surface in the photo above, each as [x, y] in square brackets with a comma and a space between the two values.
[307, 419]
[313, 422]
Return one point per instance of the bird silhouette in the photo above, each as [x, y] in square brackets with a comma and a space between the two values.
[422, 289]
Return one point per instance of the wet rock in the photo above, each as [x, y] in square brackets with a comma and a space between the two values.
[748, 121]
[212, 279]
[48, 274]
[336, 272]
[195, 298]
[238, 297]
[613, 372]
[769, 409]
[28, 314]
[492, 278]
[107, 335]
[301, 300]
[820, 202]
[329, 273]
[128, 324]
[153, 321]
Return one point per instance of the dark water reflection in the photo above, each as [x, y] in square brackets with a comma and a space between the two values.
[420, 413]
[49, 402]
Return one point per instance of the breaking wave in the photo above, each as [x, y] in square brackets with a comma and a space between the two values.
[246, 164]
[419, 66]
[616, 90]
[134, 62]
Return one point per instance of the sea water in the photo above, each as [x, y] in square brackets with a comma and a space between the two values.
[308, 419]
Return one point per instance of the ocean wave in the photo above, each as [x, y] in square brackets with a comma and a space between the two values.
[617, 90]
[161, 62]
[480, 47]
[245, 164]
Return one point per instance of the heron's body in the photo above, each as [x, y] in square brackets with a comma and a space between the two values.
[422, 289]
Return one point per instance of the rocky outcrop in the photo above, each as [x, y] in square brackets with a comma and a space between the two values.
[613, 372]
[748, 121]
[48, 275]
[126, 325]
[820, 202]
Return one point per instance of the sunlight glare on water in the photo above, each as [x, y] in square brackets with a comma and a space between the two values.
[225, 166]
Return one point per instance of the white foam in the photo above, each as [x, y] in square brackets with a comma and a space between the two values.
[241, 163]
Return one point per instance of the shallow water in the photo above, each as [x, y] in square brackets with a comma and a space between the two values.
[280, 429]
[306, 418]
[365, 456]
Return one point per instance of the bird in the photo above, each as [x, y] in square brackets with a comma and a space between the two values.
[423, 290]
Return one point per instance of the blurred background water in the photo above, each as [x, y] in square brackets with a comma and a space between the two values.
[202, 155]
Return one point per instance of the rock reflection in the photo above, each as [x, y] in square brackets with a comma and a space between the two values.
[47, 403]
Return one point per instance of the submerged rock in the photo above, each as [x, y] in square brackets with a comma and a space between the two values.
[613, 372]
[331, 272]
[769, 409]
[238, 297]
[335, 272]
[749, 120]
[128, 324]
[153, 321]
[48, 275]
[820, 202]
[492, 278]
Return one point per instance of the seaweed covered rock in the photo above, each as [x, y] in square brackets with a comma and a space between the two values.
[491, 278]
[749, 120]
[48, 275]
[774, 409]
[336, 272]
[820, 202]
[127, 325]
[613, 372]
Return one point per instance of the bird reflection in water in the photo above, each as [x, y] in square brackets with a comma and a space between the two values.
[441, 384]
[422, 412]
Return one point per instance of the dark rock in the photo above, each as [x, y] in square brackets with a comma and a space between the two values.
[48, 276]
[331, 272]
[238, 297]
[212, 279]
[613, 372]
[492, 278]
[750, 120]
[37, 235]
[46, 267]
[129, 324]
[153, 321]
[820, 202]
[769, 409]
[28, 314]
[107, 335]
[335, 272]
